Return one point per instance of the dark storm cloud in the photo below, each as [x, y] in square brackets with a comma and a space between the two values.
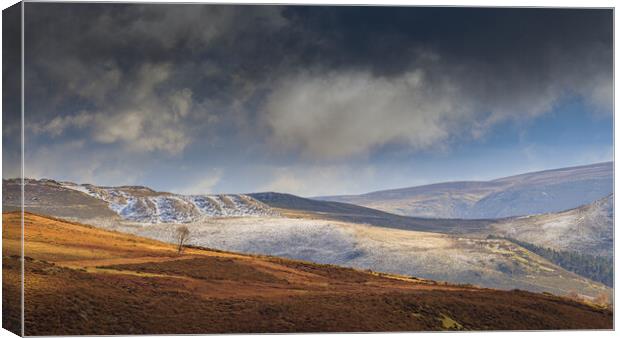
[11, 93]
[11, 70]
[328, 81]
[107, 67]
[427, 76]
[387, 38]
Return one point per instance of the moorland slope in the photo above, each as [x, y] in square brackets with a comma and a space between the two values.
[85, 280]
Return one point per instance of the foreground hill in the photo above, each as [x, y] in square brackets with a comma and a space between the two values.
[101, 282]
[526, 194]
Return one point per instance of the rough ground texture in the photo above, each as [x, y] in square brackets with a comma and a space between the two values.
[84, 280]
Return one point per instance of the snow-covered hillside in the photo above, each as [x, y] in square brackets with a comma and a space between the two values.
[526, 194]
[141, 204]
[587, 229]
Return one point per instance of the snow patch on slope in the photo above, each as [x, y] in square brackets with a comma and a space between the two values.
[587, 229]
[143, 205]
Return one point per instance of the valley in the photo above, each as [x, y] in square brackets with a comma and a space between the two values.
[284, 225]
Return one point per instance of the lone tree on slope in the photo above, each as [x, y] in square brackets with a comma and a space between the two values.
[182, 237]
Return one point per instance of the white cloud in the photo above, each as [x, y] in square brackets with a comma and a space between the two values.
[181, 102]
[59, 124]
[145, 116]
[315, 180]
[80, 165]
[203, 185]
[342, 114]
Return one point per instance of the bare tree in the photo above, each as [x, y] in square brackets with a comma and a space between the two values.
[182, 237]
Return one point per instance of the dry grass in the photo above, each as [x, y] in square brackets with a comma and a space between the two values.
[84, 280]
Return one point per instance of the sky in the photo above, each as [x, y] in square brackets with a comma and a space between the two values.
[309, 100]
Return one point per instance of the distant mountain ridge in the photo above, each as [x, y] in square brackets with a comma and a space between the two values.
[525, 194]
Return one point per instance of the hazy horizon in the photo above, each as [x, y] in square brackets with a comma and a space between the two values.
[388, 188]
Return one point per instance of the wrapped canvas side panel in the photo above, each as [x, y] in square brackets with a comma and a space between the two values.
[12, 179]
